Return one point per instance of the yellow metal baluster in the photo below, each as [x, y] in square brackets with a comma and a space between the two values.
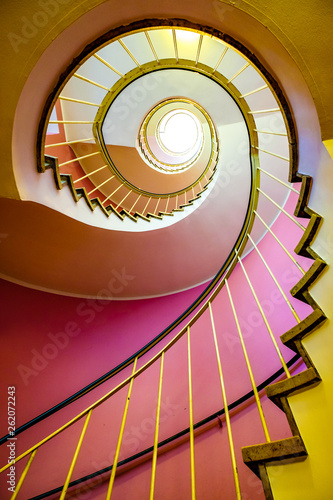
[24, 473]
[158, 412]
[69, 475]
[79, 158]
[275, 281]
[152, 47]
[97, 187]
[174, 37]
[69, 142]
[220, 59]
[121, 432]
[272, 154]
[108, 65]
[280, 243]
[90, 173]
[254, 387]
[254, 91]
[282, 209]
[265, 319]
[138, 198]
[191, 414]
[276, 178]
[71, 99]
[122, 201]
[226, 409]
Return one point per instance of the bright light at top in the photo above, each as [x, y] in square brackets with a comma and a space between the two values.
[186, 36]
[179, 131]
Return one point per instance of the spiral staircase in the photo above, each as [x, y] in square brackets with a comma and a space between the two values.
[232, 359]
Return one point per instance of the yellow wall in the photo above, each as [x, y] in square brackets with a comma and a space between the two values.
[313, 409]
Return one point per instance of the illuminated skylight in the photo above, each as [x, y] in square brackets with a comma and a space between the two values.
[179, 131]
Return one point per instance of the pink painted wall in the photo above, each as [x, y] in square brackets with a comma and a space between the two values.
[63, 343]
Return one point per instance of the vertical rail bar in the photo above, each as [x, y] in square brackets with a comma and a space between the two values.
[78, 158]
[191, 415]
[254, 91]
[270, 152]
[275, 280]
[174, 37]
[108, 65]
[152, 47]
[121, 432]
[278, 180]
[199, 50]
[64, 490]
[167, 204]
[282, 134]
[239, 72]
[71, 99]
[91, 81]
[158, 412]
[96, 188]
[24, 473]
[248, 365]
[280, 243]
[264, 318]
[90, 173]
[226, 409]
[138, 198]
[158, 202]
[129, 52]
[282, 209]
[68, 142]
[144, 210]
[220, 59]
[122, 201]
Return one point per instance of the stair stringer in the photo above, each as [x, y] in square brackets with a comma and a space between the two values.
[61, 180]
[256, 457]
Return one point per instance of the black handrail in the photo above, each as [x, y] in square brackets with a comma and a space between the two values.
[178, 435]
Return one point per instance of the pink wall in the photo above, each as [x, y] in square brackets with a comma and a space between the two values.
[64, 343]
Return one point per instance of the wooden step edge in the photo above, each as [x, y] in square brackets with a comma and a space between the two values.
[141, 216]
[96, 202]
[309, 234]
[187, 204]
[166, 213]
[149, 214]
[196, 198]
[129, 215]
[308, 279]
[52, 163]
[111, 209]
[82, 193]
[293, 385]
[303, 198]
[178, 210]
[276, 451]
[309, 324]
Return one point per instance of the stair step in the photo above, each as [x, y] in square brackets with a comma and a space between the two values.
[292, 385]
[275, 451]
[149, 214]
